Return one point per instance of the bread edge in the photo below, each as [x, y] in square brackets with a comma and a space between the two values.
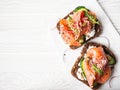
[75, 66]
[98, 30]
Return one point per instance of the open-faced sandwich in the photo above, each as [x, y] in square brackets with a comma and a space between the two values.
[94, 66]
[79, 26]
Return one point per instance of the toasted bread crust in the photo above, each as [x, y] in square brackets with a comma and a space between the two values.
[75, 66]
[98, 30]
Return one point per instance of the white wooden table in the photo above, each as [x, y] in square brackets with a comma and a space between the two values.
[28, 58]
[111, 8]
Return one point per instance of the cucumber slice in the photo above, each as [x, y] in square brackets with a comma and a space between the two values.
[82, 39]
[112, 60]
[81, 66]
[79, 8]
[81, 62]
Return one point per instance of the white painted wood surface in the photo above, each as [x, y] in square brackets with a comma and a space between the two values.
[28, 58]
[112, 9]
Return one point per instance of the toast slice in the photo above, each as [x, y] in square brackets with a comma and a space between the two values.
[87, 65]
[79, 26]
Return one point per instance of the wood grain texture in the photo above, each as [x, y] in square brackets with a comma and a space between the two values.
[112, 9]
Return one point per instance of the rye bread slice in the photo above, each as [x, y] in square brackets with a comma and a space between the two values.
[98, 30]
[84, 50]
